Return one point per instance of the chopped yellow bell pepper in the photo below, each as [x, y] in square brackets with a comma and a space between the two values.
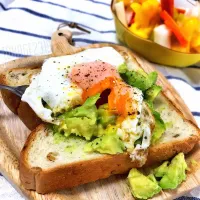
[126, 2]
[189, 27]
[146, 17]
[195, 43]
[179, 48]
[142, 32]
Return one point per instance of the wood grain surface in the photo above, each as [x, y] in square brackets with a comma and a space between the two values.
[13, 134]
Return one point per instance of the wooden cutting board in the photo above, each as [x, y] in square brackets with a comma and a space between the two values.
[13, 134]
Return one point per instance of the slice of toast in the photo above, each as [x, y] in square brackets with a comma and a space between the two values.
[52, 170]
[46, 166]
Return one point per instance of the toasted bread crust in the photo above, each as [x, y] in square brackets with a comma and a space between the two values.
[70, 175]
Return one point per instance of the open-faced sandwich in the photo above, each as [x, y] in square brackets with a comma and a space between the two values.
[102, 115]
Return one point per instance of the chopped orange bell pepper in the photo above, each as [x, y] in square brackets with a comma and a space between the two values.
[171, 24]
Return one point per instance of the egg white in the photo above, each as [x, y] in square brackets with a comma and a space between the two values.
[130, 123]
[129, 131]
[56, 89]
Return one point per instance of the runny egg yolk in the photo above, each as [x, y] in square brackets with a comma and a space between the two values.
[100, 77]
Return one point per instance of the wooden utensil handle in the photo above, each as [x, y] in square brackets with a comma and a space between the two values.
[61, 43]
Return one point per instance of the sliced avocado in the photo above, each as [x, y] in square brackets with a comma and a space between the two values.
[122, 68]
[137, 79]
[150, 105]
[105, 117]
[159, 128]
[81, 121]
[142, 187]
[161, 170]
[175, 174]
[152, 92]
[109, 144]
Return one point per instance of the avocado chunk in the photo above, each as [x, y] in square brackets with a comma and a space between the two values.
[152, 92]
[142, 187]
[81, 121]
[152, 178]
[159, 128]
[109, 144]
[171, 174]
[138, 78]
[105, 117]
[80, 126]
[175, 174]
[122, 68]
[109, 130]
[161, 170]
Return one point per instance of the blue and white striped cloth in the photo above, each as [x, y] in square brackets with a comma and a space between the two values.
[26, 27]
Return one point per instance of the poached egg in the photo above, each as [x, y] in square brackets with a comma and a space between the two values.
[53, 86]
[52, 92]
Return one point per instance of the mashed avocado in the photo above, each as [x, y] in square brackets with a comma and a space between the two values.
[105, 117]
[110, 130]
[99, 125]
[81, 121]
[89, 122]
[109, 143]
[142, 187]
[174, 173]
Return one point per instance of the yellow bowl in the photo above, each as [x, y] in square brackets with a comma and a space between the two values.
[151, 50]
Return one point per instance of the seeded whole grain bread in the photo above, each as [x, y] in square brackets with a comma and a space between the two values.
[17, 77]
[55, 168]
